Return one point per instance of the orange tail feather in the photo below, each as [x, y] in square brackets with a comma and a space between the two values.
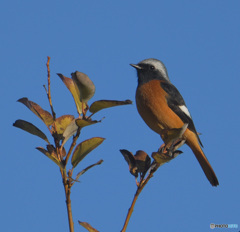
[202, 159]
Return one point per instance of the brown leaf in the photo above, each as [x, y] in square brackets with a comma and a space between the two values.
[51, 156]
[128, 156]
[36, 109]
[74, 91]
[103, 104]
[143, 161]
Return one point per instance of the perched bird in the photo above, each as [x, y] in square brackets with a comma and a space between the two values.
[162, 108]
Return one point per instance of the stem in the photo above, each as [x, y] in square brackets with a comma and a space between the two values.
[67, 188]
[49, 90]
[139, 190]
[72, 145]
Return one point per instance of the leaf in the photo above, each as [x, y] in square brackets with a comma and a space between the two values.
[87, 226]
[162, 158]
[83, 122]
[70, 130]
[103, 104]
[84, 148]
[62, 123]
[74, 91]
[36, 109]
[138, 163]
[85, 86]
[87, 168]
[128, 156]
[52, 156]
[30, 128]
[143, 161]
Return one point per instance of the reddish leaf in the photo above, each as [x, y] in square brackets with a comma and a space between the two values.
[51, 154]
[36, 109]
[74, 91]
[138, 163]
[143, 161]
[128, 156]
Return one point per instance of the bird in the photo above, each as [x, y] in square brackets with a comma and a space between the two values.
[162, 107]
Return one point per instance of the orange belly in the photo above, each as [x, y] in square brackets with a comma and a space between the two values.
[152, 106]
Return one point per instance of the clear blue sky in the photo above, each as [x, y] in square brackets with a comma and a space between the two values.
[199, 43]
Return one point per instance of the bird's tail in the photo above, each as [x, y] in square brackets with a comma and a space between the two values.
[203, 161]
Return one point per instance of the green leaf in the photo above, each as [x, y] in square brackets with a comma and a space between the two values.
[52, 156]
[36, 109]
[103, 104]
[30, 128]
[87, 226]
[62, 123]
[84, 148]
[87, 168]
[74, 91]
[70, 130]
[84, 122]
[85, 86]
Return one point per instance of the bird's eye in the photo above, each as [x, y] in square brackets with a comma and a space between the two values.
[152, 67]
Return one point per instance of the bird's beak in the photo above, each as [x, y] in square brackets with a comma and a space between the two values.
[136, 66]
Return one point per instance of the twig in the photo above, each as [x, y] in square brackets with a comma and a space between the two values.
[66, 182]
[67, 188]
[84, 170]
[141, 185]
[165, 154]
[72, 145]
[49, 90]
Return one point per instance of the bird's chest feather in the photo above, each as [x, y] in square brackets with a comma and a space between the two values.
[152, 106]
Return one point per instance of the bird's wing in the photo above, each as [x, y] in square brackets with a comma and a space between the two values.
[177, 104]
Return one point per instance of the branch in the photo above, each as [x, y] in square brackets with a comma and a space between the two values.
[72, 145]
[141, 185]
[49, 90]
[165, 153]
[67, 188]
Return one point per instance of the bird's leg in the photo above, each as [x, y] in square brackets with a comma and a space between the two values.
[173, 139]
[163, 148]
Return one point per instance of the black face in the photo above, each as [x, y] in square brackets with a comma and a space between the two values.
[147, 73]
[147, 67]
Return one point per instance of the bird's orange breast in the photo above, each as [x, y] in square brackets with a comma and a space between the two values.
[152, 106]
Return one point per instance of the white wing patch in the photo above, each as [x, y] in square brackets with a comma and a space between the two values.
[184, 109]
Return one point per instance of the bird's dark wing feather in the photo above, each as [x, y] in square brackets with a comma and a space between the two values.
[175, 100]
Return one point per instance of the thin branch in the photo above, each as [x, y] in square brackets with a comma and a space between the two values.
[84, 170]
[49, 90]
[67, 188]
[166, 153]
[72, 145]
[141, 185]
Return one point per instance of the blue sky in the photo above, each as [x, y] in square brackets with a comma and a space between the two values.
[199, 43]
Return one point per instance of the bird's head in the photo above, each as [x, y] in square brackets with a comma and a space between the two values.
[150, 69]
